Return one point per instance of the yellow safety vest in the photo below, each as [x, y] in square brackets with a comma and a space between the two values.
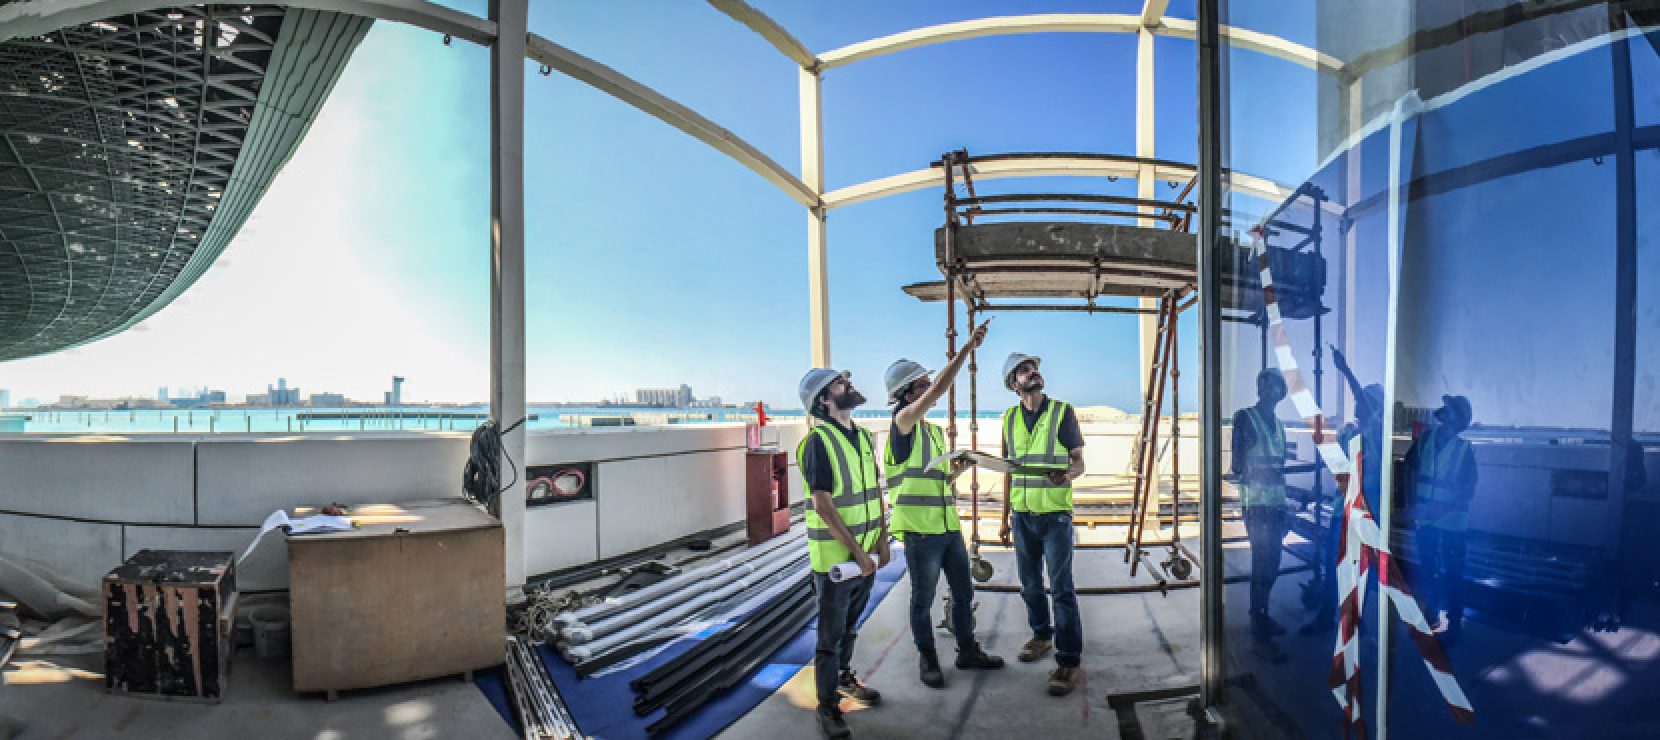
[1039, 448]
[1440, 466]
[1263, 481]
[857, 496]
[921, 499]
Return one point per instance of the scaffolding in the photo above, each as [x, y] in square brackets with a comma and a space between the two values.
[993, 257]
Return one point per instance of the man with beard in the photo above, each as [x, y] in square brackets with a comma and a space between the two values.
[925, 514]
[1041, 436]
[847, 522]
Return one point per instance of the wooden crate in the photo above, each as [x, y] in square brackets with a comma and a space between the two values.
[167, 624]
[416, 592]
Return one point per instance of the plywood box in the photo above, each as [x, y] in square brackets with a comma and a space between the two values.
[417, 591]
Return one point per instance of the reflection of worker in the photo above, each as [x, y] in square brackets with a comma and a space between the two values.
[1041, 435]
[1444, 480]
[1368, 425]
[925, 514]
[845, 523]
[1259, 463]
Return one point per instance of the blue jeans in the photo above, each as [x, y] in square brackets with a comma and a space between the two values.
[1042, 540]
[839, 607]
[925, 556]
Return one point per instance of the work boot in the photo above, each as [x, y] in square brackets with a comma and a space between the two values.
[1035, 649]
[976, 659]
[830, 722]
[929, 669]
[1261, 622]
[1063, 678]
[852, 688]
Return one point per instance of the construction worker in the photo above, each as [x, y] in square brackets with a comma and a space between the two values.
[1444, 480]
[925, 514]
[1259, 464]
[847, 523]
[1041, 436]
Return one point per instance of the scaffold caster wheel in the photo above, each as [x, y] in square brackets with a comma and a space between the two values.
[1181, 568]
[981, 570]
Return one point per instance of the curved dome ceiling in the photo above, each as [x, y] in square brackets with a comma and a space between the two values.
[132, 149]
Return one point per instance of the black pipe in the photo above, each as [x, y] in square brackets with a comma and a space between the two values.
[764, 613]
[747, 663]
[1210, 164]
[695, 692]
[655, 693]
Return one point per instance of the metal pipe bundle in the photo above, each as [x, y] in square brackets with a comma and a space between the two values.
[657, 618]
[542, 711]
[676, 602]
[597, 612]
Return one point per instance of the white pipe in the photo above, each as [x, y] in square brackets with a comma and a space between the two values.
[578, 653]
[580, 632]
[612, 606]
[782, 581]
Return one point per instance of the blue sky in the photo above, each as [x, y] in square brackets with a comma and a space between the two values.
[652, 260]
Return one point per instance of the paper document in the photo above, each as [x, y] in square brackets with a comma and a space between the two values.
[981, 459]
[305, 525]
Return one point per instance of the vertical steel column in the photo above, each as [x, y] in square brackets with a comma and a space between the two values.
[973, 432]
[1210, 355]
[818, 237]
[1175, 432]
[1625, 279]
[950, 270]
[507, 265]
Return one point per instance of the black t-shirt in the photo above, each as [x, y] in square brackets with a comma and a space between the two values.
[1071, 437]
[815, 461]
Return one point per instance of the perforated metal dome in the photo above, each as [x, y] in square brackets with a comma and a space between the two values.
[132, 149]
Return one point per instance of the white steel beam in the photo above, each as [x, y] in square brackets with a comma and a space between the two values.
[1273, 46]
[621, 87]
[507, 269]
[1152, 12]
[37, 17]
[995, 26]
[812, 170]
[1146, 183]
[905, 182]
[768, 29]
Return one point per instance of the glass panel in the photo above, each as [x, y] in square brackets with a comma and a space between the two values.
[1521, 567]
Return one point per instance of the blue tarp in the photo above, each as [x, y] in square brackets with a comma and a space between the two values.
[604, 706]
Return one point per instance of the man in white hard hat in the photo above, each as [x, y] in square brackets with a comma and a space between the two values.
[1041, 435]
[925, 513]
[1443, 466]
[847, 523]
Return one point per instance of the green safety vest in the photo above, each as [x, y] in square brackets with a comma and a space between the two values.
[1038, 448]
[1440, 467]
[922, 499]
[857, 496]
[1263, 481]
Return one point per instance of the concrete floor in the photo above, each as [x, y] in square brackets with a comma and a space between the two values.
[1132, 643]
[63, 697]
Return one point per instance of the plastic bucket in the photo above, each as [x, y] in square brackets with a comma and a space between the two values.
[270, 631]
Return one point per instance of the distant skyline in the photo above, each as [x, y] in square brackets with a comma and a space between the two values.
[646, 250]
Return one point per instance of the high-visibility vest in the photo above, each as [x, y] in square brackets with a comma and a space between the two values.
[857, 496]
[1262, 482]
[1040, 448]
[921, 498]
[1440, 468]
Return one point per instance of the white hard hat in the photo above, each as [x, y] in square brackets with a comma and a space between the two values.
[900, 374]
[1015, 358]
[814, 383]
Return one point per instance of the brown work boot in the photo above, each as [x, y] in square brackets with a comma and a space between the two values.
[851, 687]
[1035, 649]
[1062, 679]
